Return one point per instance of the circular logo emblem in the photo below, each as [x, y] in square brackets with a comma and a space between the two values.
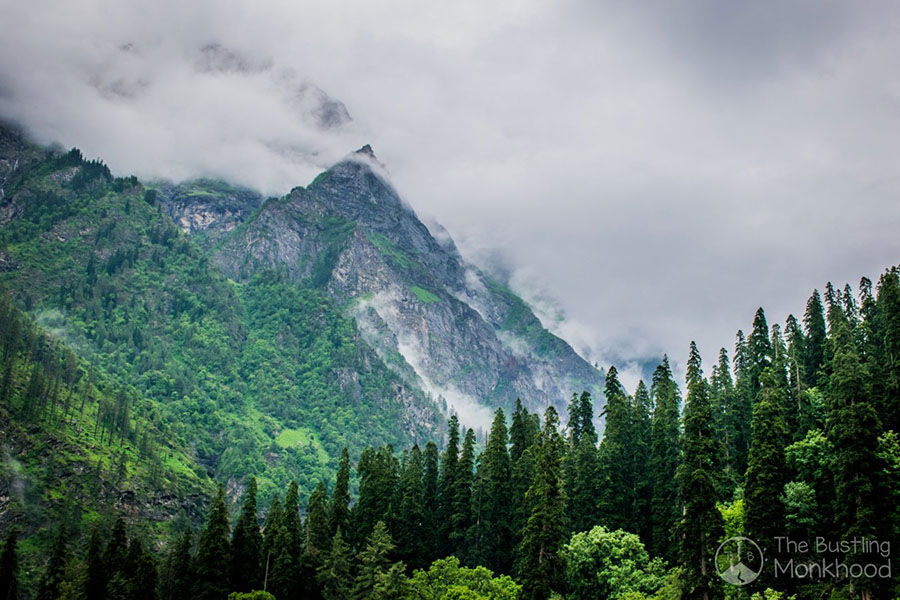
[739, 560]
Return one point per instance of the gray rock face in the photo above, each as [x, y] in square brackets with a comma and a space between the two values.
[211, 209]
[441, 323]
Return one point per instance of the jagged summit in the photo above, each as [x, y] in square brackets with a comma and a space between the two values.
[366, 150]
[438, 321]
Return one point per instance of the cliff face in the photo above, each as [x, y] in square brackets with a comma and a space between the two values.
[438, 321]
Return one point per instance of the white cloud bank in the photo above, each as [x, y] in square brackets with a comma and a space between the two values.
[660, 169]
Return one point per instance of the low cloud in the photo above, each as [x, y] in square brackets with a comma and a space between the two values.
[659, 169]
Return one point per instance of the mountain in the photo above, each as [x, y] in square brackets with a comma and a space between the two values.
[234, 335]
[441, 323]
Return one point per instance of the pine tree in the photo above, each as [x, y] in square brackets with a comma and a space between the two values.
[9, 567]
[213, 553]
[378, 491]
[814, 349]
[462, 496]
[115, 555]
[852, 429]
[887, 330]
[447, 487]
[334, 574]
[410, 531]
[617, 494]
[285, 569]
[743, 408]
[271, 529]
[701, 524]
[374, 559]
[430, 490]
[96, 576]
[141, 581]
[726, 414]
[581, 465]
[246, 545]
[339, 509]
[540, 566]
[491, 536]
[759, 351]
[640, 462]
[318, 531]
[764, 516]
[54, 574]
[522, 436]
[664, 458]
[180, 570]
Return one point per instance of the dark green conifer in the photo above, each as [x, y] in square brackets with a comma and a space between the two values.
[55, 571]
[539, 564]
[339, 508]
[701, 524]
[447, 487]
[410, 529]
[665, 432]
[430, 490]
[96, 576]
[374, 559]
[9, 567]
[764, 516]
[334, 573]
[814, 348]
[491, 536]
[617, 491]
[213, 553]
[246, 545]
[462, 496]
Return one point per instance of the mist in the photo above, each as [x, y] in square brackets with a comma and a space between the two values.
[644, 174]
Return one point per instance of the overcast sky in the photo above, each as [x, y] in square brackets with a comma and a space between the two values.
[653, 171]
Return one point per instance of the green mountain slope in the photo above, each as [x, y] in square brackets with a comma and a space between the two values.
[261, 377]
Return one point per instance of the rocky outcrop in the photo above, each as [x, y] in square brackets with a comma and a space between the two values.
[441, 323]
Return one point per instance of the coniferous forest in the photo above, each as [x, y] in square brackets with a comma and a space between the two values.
[789, 436]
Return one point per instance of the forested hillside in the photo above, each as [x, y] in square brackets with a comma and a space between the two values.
[793, 437]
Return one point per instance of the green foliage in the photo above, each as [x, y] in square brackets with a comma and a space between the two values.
[609, 564]
[424, 296]
[540, 567]
[445, 579]
[254, 595]
[213, 553]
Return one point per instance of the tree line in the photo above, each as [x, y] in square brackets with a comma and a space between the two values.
[794, 435]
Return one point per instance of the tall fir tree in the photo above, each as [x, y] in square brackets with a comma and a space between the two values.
[431, 538]
[581, 465]
[617, 493]
[285, 568]
[743, 407]
[491, 536]
[246, 545]
[642, 408]
[179, 576]
[665, 435]
[410, 528]
[447, 487]
[887, 329]
[142, 576]
[852, 429]
[378, 491]
[540, 567]
[815, 331]
[9, 567]
[374, 559]
[213, 553]
[523, 435]
[334, 573]
[55, 571]
[701, 523]
[96, 575]
[461, 517]
[339, 508]
[764, 514]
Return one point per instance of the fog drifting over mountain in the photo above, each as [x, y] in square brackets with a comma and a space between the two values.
[645, 173]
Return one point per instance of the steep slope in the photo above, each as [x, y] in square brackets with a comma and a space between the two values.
[460, 335]
[261, 377]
